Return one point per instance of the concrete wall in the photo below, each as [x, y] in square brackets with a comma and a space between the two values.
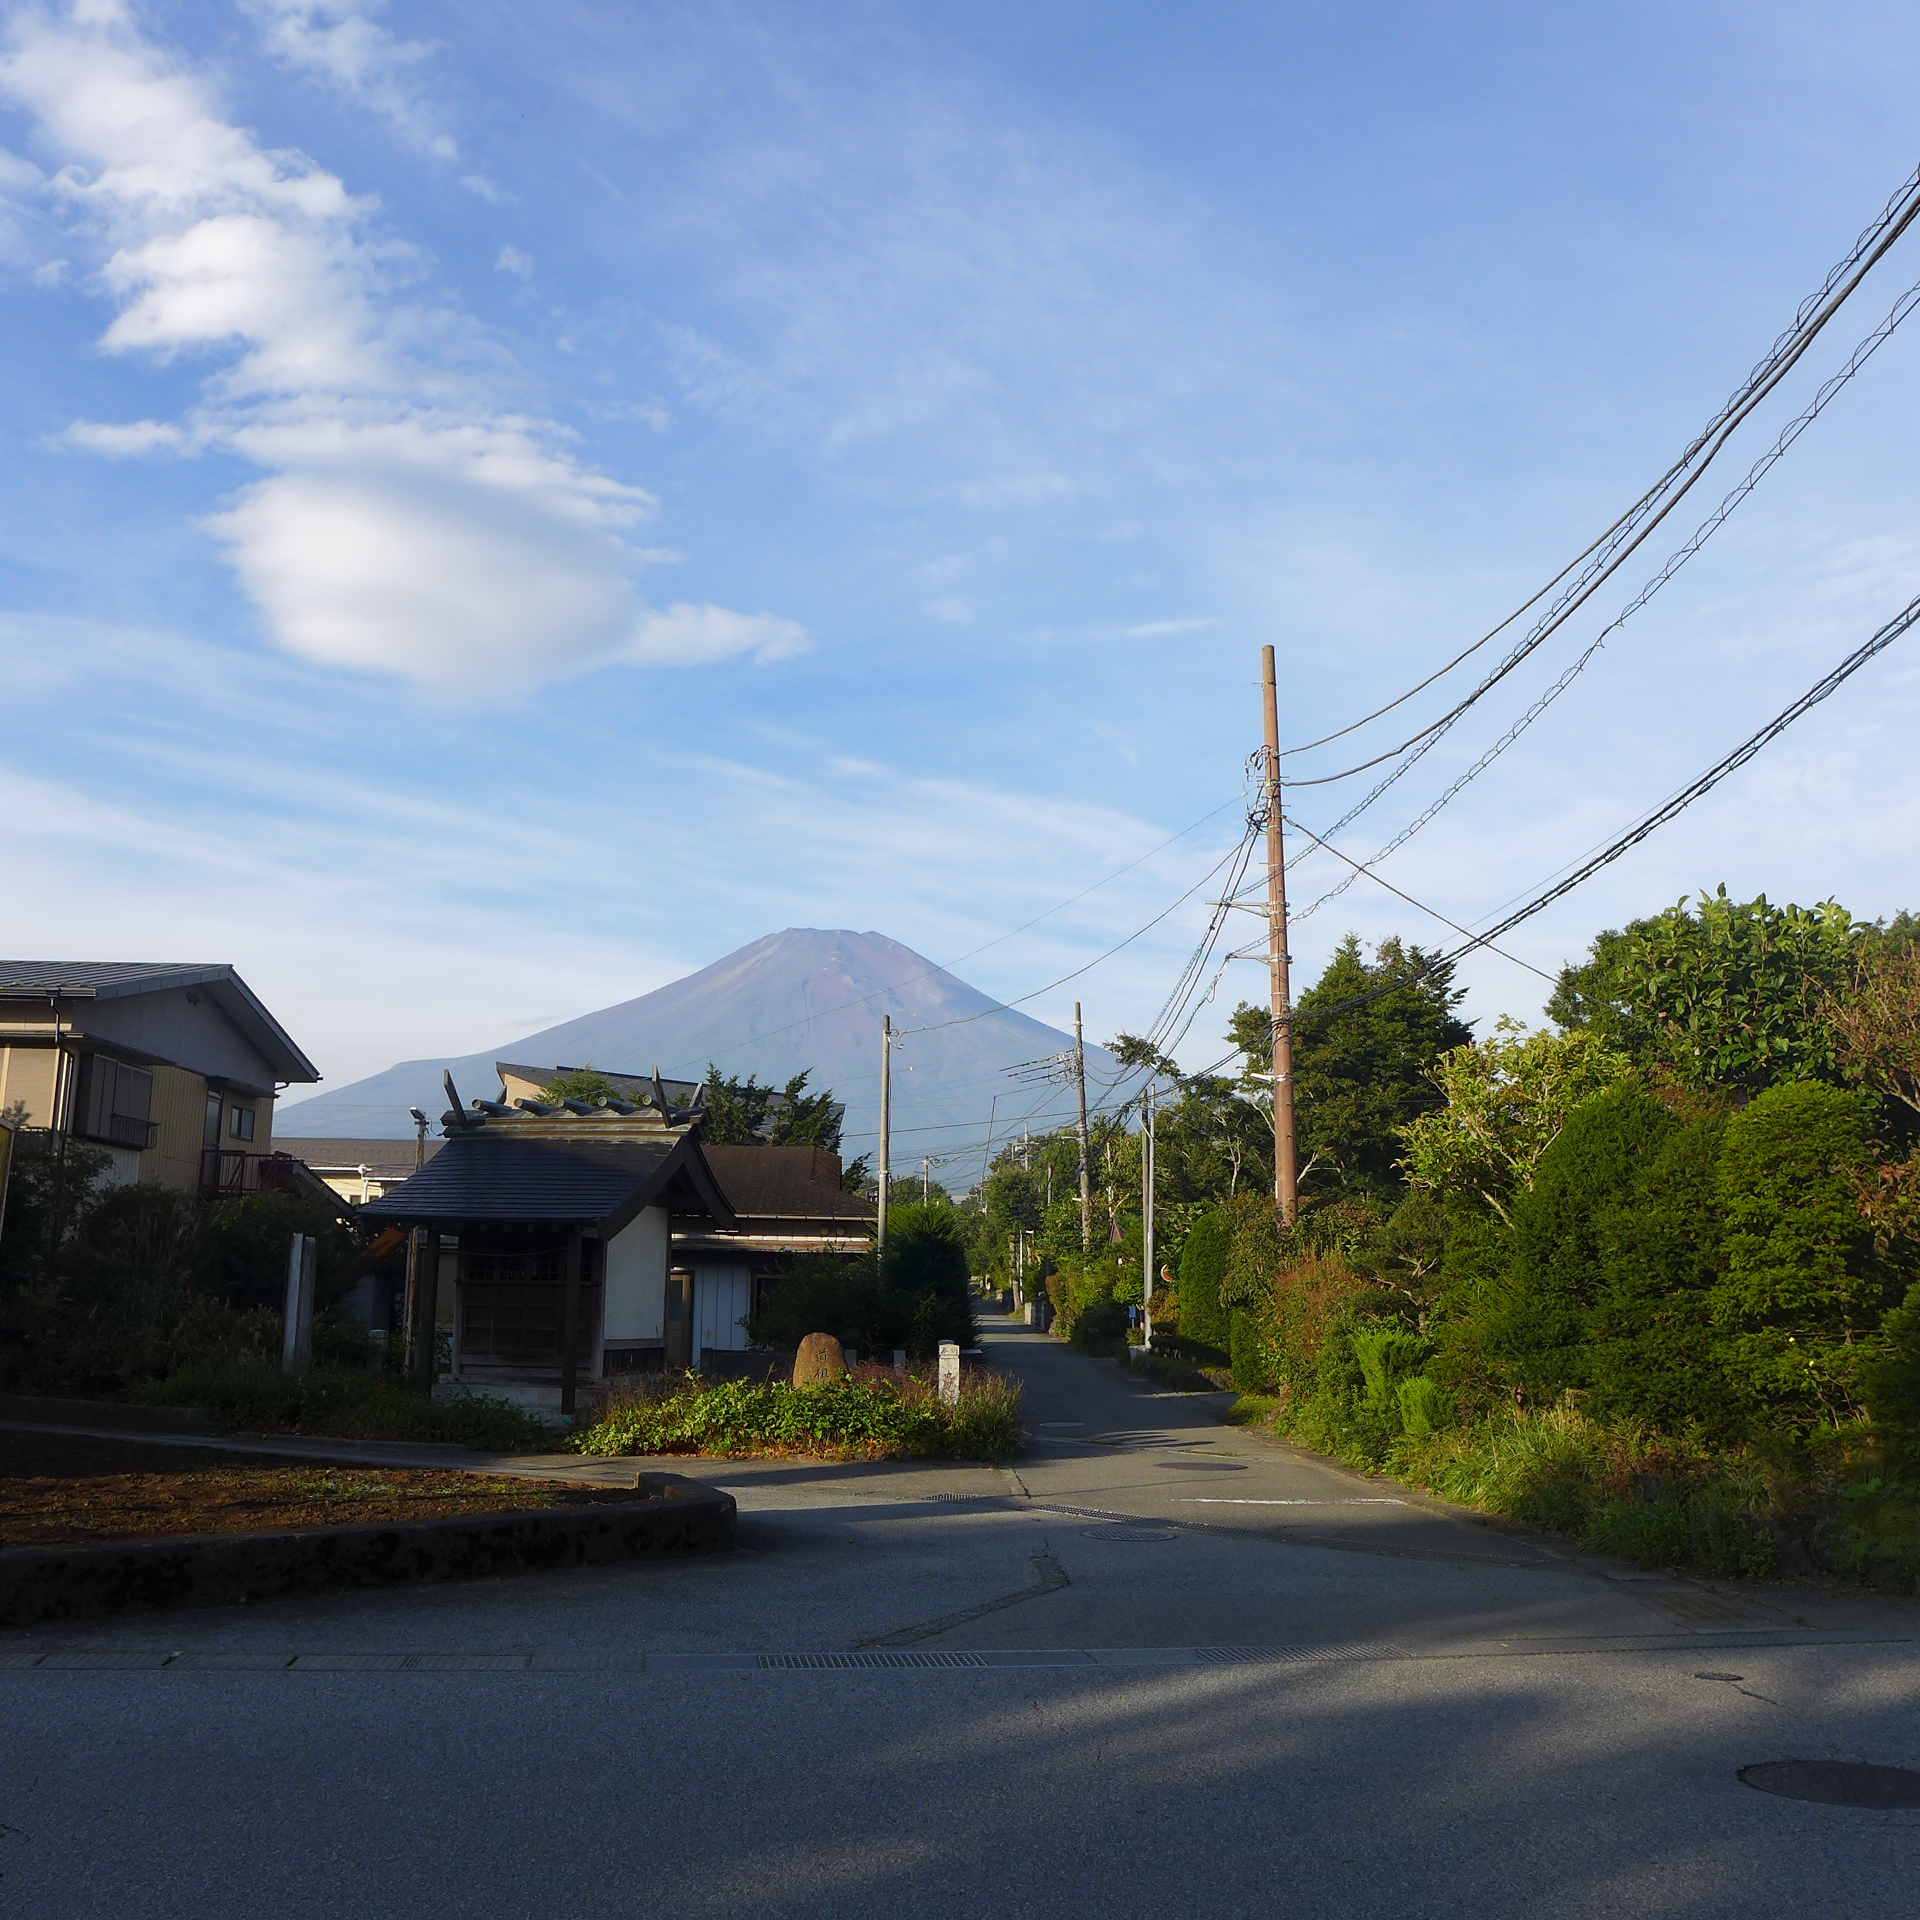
[635, 1288]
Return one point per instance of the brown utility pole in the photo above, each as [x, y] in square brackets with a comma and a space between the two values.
[1286, 1188]
[1086, 1172]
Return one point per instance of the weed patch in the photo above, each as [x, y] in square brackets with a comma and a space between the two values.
[873, 1416]
[253, 1395]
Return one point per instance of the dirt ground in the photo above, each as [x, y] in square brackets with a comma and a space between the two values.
[56, 1489]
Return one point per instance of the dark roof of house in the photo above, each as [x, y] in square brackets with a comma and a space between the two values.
[786, 1183]
[118, 979]
[680, 1092]
[386, 1157]
[496, 1177]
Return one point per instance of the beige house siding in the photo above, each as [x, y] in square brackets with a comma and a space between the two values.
[180, 1107]
[26, 1077]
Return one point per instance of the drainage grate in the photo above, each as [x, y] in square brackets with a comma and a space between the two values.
[956, 1497]
[814, 1662]
[1837, 1783]
[1292, 1656]
[1126, 1534]
[1701, 1606]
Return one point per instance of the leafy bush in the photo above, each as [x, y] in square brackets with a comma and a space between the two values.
[1204, 1323]
[1607, 1485]
[1251, 1372]
[1101, 1327]
[1803, 1290]
[253, 1395]
[1535, 1320]
[872, 1416]
[918, 1300]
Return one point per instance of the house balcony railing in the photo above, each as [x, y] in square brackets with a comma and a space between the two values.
[225, 1175]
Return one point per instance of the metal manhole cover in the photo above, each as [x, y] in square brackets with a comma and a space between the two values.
[1124, 1534]
[1205, 1466]
[1836, 1783]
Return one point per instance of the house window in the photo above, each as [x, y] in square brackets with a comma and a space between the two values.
[240, 1123]
[211, 1137]
[115, 1102]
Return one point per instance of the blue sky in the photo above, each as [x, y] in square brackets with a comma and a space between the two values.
[500, 506]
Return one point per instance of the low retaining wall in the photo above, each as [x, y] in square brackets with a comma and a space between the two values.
[120, 1416]
[98, 1579]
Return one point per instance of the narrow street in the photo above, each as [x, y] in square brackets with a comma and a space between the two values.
[1156, 1666]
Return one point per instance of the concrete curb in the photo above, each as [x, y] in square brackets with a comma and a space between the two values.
[35, 1410]
[100, 1579]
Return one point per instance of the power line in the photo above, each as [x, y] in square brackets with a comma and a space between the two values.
[1634, 526]
[1671, 807]
[1901, 309]
[1431, 912]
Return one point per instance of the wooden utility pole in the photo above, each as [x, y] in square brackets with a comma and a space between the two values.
[1286, 1188]
[886, 1128]
[1146, 1217]
[1086, 1172]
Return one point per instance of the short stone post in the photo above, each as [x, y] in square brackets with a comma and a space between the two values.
[819, 1360]
[899, 1359]
[950, 1372]
[296, 1343]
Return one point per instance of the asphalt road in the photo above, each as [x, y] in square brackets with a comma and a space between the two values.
[1159, 1667]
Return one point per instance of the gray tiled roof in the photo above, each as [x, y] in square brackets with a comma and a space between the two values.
[489, 1176]
[118, 979]
[786, 1183]
[386, 1157]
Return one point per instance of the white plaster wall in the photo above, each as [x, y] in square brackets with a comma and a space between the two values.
[635, 1298]
[722, 1298]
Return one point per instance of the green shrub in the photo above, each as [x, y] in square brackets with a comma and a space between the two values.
[253, 1395]
[1251, 1373]
[1425, 1407]
[1204, 1323]
[1652, 1342]
[1535, 1318]
[915, 1304]
[1890, 1381]
[1387, 1355]
[1803, 1291]
[1101, 1327]
[855, 1417]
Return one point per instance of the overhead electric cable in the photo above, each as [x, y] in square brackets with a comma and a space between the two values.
[1431, 912]
[1634, 526]
[1901, 309]
[1670, 808]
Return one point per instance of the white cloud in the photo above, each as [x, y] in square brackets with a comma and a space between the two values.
[135, 436]
[406, 523]
[689, 634]
[342, 44]
[513, 261]
[955, 612]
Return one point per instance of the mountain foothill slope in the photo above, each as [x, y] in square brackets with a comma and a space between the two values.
[805, 999]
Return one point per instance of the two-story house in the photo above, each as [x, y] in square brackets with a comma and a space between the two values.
[172, 1069]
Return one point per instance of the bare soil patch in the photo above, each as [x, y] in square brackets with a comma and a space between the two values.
[57, 1489]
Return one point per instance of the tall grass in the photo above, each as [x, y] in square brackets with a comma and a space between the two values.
[1610, 1486]
[873, 1416]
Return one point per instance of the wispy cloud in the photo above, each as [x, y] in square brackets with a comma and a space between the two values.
[344, 45]
[409, 523]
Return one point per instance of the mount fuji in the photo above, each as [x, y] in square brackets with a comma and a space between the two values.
[806, 999]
